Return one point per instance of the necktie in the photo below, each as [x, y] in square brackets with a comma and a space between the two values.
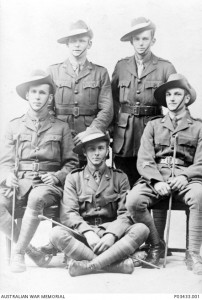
[97, 177]
[78, 69]
[174, 122]
[140, 68]
[37, 124]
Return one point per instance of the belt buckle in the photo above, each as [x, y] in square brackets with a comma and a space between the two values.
[169, 160]
[136, 110]
[98, 221]
[76, 112]
[35, 167]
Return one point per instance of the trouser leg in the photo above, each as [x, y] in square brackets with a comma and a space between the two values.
[6, 225]
[127, 245]
[160, 217]
[67, 243]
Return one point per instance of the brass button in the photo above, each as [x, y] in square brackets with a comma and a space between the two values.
[76, 92]
[37, 148]
[98, 208]
[76, 81]
[139, 80]
[138, 92]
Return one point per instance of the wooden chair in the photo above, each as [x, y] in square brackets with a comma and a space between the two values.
[176, 205]
[51, 212]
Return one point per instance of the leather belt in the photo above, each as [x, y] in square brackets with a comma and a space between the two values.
[137, 110]
[76, 111]
[39, 166]
[98, 220]
[169, 160]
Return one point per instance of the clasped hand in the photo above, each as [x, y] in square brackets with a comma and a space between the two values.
[177, 183]
[97, 244]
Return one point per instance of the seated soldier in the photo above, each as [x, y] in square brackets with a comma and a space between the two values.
[93, 205]
[43, 146]
[176, 132]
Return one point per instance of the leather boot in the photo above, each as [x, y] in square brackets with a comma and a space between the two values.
[18, 263]
[40, 258]
[126, 266]
[83, 267]
[194, 262]
[49, 249]
[153, 257]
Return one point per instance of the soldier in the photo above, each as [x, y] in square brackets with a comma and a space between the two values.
[133, 84]
[83, 91]
[155, 159]
[45, 158]
[94, 206]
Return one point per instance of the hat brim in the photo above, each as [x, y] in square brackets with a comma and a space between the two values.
[23, 88]
[80, 32]
[136, 30]
[160, 92]
[79, 149]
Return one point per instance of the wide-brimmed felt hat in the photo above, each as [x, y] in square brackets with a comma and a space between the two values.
[37, 77]
[174, 81]
[76, 29]
[138, 25]
[93, 135]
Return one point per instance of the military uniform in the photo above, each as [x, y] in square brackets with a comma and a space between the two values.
[134, 106]
[155, 159]
[82, 100]
[88, 206]
[48, 149]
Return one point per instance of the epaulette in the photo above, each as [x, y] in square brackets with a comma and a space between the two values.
[125, 58]
[77, 170]
[17, 118]
[56, 64]
[196, 119]
[156, 117]
[98, 65]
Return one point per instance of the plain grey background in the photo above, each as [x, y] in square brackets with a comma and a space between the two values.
[30, 29]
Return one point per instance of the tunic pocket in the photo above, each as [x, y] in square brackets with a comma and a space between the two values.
[124, 90]
[91, 90]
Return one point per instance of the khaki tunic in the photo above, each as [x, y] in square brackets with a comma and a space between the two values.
[84, 100]
[128, 89]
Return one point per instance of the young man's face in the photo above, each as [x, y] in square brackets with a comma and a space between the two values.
[38, 96]
[142, 42]
[176, 99]
[96, 152]
[79, 45]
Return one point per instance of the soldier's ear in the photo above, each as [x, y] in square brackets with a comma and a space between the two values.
[89, 44]
[26, 96]
[153, 41]
[50, 99]
[187, 98]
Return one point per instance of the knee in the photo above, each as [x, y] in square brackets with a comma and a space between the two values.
[194, 200]
[140, 230]
[35, 200]
[135, 201]
[59, 237]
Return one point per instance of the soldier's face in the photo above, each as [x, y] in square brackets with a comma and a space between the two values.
[39, 96]
[142, 42]
[78, 46]
[177, 99]
[96, 152]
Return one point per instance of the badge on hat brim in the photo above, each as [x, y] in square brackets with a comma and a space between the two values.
[174, 81]
[92, 135]
[78, 28]
[37, 77]
[137, 26]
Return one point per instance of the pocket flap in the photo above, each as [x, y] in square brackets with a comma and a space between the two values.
[63, 83]
[163, 142]
[53, 137]
[111, 198]
[124, 83]
[86, 198]
[25, 137]
[189, 141]
[91, 84]
[152, 84]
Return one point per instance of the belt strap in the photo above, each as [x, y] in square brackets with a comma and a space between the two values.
[98, 220]
[137, 110]
[35, 166]
[76, 111]
[169, 160]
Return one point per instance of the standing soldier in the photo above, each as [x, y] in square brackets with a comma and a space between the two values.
[45, 158]
[94, 206]
[83, 92]
[155, 160]
[133, 84]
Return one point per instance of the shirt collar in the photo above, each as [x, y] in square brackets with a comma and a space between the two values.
[40, 118]
[92, 169]
[145, 60]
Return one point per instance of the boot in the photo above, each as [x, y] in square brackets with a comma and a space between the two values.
[49, 249]
[126, 266]
[194, 262]
[83, 267]
[18, 263]
[40, 258]
[154, 255]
